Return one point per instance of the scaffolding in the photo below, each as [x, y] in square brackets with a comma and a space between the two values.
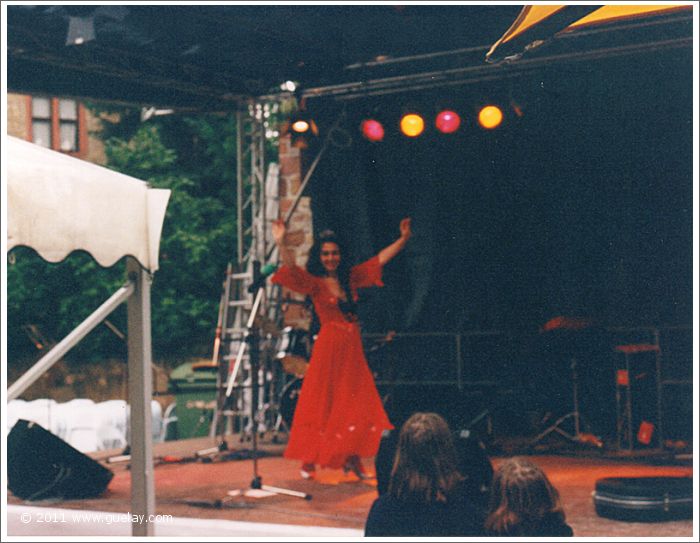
[257, 204]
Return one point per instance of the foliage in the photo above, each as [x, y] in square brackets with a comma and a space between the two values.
[57, 297]
[198, 233]
[195, 158]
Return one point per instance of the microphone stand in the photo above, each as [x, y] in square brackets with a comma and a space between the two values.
[252, 340]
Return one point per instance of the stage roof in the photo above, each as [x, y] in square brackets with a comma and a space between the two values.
[215, 57]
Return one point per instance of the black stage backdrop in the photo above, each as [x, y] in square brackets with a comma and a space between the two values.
[582, 206]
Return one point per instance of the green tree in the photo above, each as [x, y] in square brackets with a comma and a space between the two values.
[195, 158]
[57, 297]
[196, 244]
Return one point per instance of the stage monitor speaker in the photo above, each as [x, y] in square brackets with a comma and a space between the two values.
[42, 466]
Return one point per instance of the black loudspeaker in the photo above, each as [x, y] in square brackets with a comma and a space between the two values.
[42, 466]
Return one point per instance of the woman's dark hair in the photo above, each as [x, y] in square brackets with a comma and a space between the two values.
[521, 498]
[314, 267]
[425, 465]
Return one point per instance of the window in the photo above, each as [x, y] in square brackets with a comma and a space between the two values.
[68, 125]
[58, 123]
[41, 121]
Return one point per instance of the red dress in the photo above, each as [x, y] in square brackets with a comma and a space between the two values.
[339, 412]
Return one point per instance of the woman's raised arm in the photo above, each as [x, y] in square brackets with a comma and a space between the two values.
[279, 230]
[390, 251]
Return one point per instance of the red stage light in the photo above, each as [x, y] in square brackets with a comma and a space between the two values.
[372, 130]
[447, 121]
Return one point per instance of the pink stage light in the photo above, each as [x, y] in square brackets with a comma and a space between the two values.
[372, 130]
[447, 121]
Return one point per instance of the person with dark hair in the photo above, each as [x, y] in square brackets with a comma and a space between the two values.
[427, 495]
[339, 417]
[472, 462]
[524, 503]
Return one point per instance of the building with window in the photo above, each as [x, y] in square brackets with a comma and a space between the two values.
[62, 124]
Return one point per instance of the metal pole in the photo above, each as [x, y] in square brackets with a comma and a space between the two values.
[628, 403]
[659, 389]
[308, 175]
[458, 346]
[574, 375]
[72, 339]
[239, 357]
[239, 186]
[306, 179]
[259, 142]
[143, 500]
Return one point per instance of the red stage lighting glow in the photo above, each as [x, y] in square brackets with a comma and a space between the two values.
[372, 130]
[447, 121]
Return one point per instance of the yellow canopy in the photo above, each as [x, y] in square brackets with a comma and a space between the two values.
[537, 24]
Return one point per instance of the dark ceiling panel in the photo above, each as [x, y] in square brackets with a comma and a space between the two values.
[213, 57]
[183, 55]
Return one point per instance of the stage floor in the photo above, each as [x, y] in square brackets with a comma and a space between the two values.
[188, 487]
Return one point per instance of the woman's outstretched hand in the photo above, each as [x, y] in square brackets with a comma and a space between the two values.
[279, 229]
[390, 251]
[405, 228]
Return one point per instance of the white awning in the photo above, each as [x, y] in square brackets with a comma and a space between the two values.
[57, 204]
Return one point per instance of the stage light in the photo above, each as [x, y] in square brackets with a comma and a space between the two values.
[304, 131]
[300, 122]
[300, 125]
[372, 130]
[447, 121]
[302, 128]
[289, 86]
[490, 117]
[412, 125]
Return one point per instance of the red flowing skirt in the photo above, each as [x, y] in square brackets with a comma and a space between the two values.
[339, 412]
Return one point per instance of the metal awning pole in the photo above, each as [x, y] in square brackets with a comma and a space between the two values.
[72, 339]
[143, 501]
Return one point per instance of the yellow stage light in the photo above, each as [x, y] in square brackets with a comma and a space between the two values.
[412, 125]
[490, 117]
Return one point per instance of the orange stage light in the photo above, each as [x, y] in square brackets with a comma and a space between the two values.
[490, 117]
[412, 125]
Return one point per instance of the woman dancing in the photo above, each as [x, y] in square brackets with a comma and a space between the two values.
[339, 416]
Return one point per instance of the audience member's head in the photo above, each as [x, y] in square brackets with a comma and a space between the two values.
[523, 502]
[425, 464]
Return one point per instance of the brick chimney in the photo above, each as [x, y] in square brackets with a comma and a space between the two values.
[300, 226]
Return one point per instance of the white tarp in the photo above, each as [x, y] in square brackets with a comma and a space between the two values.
[57, 204]
[82, 423]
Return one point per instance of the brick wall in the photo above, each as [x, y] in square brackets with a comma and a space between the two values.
[18, 121]
[300, 226]
[95, 151]
[17, 116]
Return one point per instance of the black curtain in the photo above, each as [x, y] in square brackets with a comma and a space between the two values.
[581, 206]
